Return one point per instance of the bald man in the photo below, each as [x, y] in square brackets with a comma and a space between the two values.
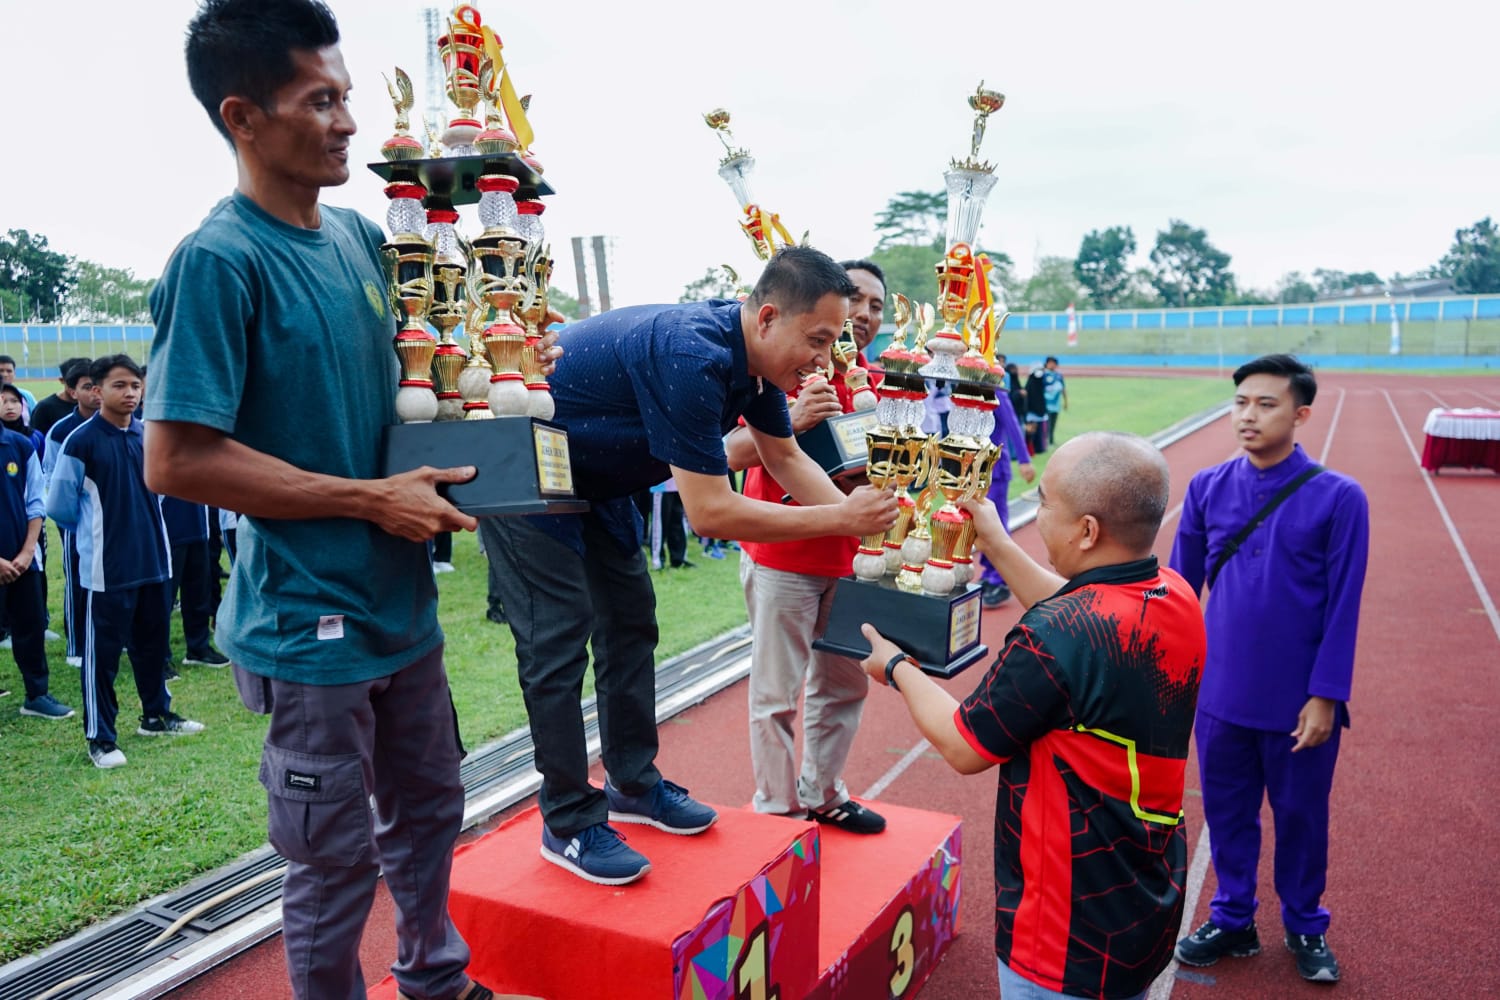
[1087, 713]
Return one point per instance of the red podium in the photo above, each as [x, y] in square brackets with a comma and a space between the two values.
[732, 912]
[755, 908]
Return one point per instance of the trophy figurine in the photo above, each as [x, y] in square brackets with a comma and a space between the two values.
[883, 446]
[950, 466]
[496, 137]
[856, 378]
[474, 377]
[760, 226]
[401, 146]
[910, 459]
[979, 484]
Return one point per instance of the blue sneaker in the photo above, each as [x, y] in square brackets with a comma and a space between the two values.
[46, 707]
[596, 853]
[665, 806]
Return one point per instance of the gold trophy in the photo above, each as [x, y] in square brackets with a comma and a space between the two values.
[531, 310]
[409, 269]
[483, 287]
[761, 226]
[883, 448]
[963, 551]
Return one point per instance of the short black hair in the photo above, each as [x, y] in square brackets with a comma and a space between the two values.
[76, 370]
[797, 278]
[62, 369]
[865, 264]
[243, 48]
[6, 359]
[1051, 360]
[101, 367]
[1304, 385]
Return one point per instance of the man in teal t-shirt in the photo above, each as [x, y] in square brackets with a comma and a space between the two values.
[272, 375]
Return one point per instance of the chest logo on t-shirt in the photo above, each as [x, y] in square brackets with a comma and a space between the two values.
[11, 468]
[375, 298]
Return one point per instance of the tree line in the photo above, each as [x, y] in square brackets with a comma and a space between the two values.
[41, 285]
[1185, 268]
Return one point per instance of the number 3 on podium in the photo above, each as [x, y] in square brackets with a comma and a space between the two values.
[902, 953]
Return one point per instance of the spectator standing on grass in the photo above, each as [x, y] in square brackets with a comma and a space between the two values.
[1055, 394]
[8, 377]
[98, 492]
[1087, 714]
[1036, 410]
[330, 617]
[75, 598]
[61, 403]
[21, 513]
[1283, 612]
[192, 583]
[789, 588]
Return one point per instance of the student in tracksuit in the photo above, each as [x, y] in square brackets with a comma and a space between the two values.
[99, 491]
[74, 597]
[21, 509]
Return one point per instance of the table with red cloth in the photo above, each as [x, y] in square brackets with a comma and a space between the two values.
[1467, 438]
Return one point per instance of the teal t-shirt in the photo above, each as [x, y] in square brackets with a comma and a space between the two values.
[280, 337]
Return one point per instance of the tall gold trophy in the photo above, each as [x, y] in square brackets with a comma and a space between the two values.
[473, 391]
[920, 595]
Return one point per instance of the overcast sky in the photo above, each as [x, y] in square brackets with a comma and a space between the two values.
[1298, 134]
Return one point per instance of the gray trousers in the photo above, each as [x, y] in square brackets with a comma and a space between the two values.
[330, 750]
[788, 611]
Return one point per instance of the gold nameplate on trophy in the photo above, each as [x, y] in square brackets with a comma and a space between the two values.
[554, 471]
[963, 627]
[838, 444]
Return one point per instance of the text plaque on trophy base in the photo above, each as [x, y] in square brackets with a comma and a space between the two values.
[838, 443]
[941, 632]
[522, 461]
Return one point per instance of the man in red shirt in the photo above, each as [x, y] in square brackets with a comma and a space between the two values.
[1085, 715]
[788, 590]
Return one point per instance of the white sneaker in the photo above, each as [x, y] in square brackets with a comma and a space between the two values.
[444, 567]
[106, 755]
[50, 635]
[74, 661]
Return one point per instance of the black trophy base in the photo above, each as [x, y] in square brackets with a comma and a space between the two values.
[838, 443]
[522, 463]
[942, 633]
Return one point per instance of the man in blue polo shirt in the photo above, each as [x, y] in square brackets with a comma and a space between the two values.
[646, 393]
[98, 493]
[1282, 615]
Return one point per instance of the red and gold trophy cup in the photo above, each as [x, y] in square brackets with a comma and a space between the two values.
[487, 405]
[922, 597]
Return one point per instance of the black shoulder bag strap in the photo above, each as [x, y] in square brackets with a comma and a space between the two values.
[1260, 515]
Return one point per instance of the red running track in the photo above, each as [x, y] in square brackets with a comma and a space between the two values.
[1414, 877]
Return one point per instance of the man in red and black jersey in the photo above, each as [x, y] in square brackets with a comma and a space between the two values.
[1087, 711]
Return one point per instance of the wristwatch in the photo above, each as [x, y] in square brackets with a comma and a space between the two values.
[890, 668]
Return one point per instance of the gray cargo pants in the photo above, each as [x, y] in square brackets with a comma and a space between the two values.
[330, 750]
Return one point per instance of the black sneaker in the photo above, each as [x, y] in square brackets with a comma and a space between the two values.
[206, 658]
[1315, 962]
[992, 595]
[1209, 943]
[169, 724]
[850, 816]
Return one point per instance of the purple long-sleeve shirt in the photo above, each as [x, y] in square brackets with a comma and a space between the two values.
[1007, 432]
[1284, 610]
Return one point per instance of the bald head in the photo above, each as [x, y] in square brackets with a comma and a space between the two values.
[1120, 479]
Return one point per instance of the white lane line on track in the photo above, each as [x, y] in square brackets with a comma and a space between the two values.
[1458, 542]
[1491, 400]
[1161, 989]
[1333, 425]
[889, 777]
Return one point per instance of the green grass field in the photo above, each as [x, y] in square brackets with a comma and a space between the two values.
[83, 844]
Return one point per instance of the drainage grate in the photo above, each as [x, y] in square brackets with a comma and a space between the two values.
[113, 954]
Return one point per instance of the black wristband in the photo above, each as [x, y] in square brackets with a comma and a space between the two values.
[890, 669]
